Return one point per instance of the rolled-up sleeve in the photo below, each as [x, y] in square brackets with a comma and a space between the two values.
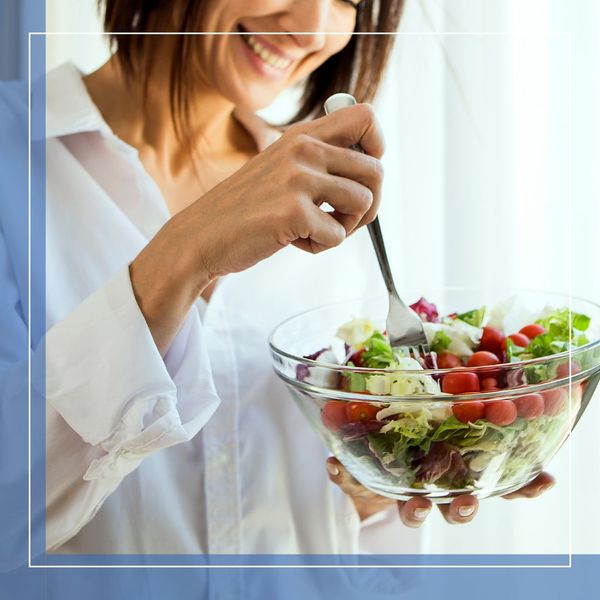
[107, 379]
[119, 398]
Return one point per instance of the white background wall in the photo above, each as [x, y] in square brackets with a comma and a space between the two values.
[493, 133]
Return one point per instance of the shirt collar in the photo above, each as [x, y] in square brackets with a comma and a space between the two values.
[70, 109]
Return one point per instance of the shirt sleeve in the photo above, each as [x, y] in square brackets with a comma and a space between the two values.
[106, 378]
[112, 400]
[99, 386]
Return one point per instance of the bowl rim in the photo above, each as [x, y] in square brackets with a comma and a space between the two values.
[481, 369]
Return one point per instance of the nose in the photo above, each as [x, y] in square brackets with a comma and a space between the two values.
[305, 21]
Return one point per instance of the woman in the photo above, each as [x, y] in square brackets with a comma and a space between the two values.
[180, 230]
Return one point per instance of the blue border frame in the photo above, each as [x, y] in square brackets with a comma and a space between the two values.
[578, 581]
[38, 302]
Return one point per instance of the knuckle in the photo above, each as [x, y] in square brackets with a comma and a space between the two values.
[296, 178]
[294, 131]
[302, 146]
[378, 171]
[296, 212]
[290, 217]
[367, 112]
[365, 199]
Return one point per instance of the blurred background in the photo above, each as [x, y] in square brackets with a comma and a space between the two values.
[493, 144]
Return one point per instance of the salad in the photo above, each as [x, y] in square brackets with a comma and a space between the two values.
[436, 444]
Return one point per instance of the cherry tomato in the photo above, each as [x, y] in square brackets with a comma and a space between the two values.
[489, 384]
[334, 416]
[468, 411]
[554, 401]
[460, 382]
[482, 358]
[563, 370]
[529, 406]
[492, 340]
[501, 412]
[361, 411]
[519, 339]
[532, 330]
[447, 360]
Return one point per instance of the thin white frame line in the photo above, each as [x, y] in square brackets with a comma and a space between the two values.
[431, 33]
[570, 282]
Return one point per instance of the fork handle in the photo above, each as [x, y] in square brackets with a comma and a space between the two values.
[384, 264]
[332, 104]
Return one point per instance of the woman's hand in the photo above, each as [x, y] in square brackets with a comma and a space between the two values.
[271, 202]
[414, 511]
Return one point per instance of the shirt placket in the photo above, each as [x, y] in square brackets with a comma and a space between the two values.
[220, 438]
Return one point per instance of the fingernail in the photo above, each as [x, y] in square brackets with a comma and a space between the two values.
[545, 487]
[421, 513]
[333, 469]
[466, 511]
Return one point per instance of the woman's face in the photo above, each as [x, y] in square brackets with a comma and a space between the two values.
[252, 69]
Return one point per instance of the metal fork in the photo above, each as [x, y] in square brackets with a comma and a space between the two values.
[404, 326]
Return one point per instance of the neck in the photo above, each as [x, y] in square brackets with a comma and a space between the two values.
[142, 117]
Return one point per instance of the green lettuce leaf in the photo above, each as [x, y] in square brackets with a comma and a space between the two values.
[440, 341]
[378, 353]
[473, 317]
[478, 435]
[536, 373]
[402, 436]
[563, 331]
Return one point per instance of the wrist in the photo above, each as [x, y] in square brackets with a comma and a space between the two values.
[166, 279]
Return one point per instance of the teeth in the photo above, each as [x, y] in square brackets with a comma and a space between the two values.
[272, 59]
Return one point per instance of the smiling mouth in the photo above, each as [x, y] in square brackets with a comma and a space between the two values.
[271, 58]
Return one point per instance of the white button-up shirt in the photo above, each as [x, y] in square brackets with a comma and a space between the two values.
[204, 450]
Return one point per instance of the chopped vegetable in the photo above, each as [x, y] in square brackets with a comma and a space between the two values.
[441, 341]
[454, 444]
[501, 412]
[426, 310]
[529, 406]
[378, 352]
[473, 317]
[460, 382]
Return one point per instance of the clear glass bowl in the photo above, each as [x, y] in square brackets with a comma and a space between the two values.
[480, 458]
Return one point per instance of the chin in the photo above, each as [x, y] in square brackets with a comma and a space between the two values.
[252, 96]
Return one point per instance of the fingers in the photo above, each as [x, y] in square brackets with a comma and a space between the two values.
[413, 512]
[352, 125]
[318, 231]
[367, 503]
[349, 485]
[348, 180]
[542, 483]
[361, 168]
[461, 510]
[350, 200]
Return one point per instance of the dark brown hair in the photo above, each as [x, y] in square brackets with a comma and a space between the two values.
[357, 68]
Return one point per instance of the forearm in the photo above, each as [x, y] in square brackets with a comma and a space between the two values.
[167, 277]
